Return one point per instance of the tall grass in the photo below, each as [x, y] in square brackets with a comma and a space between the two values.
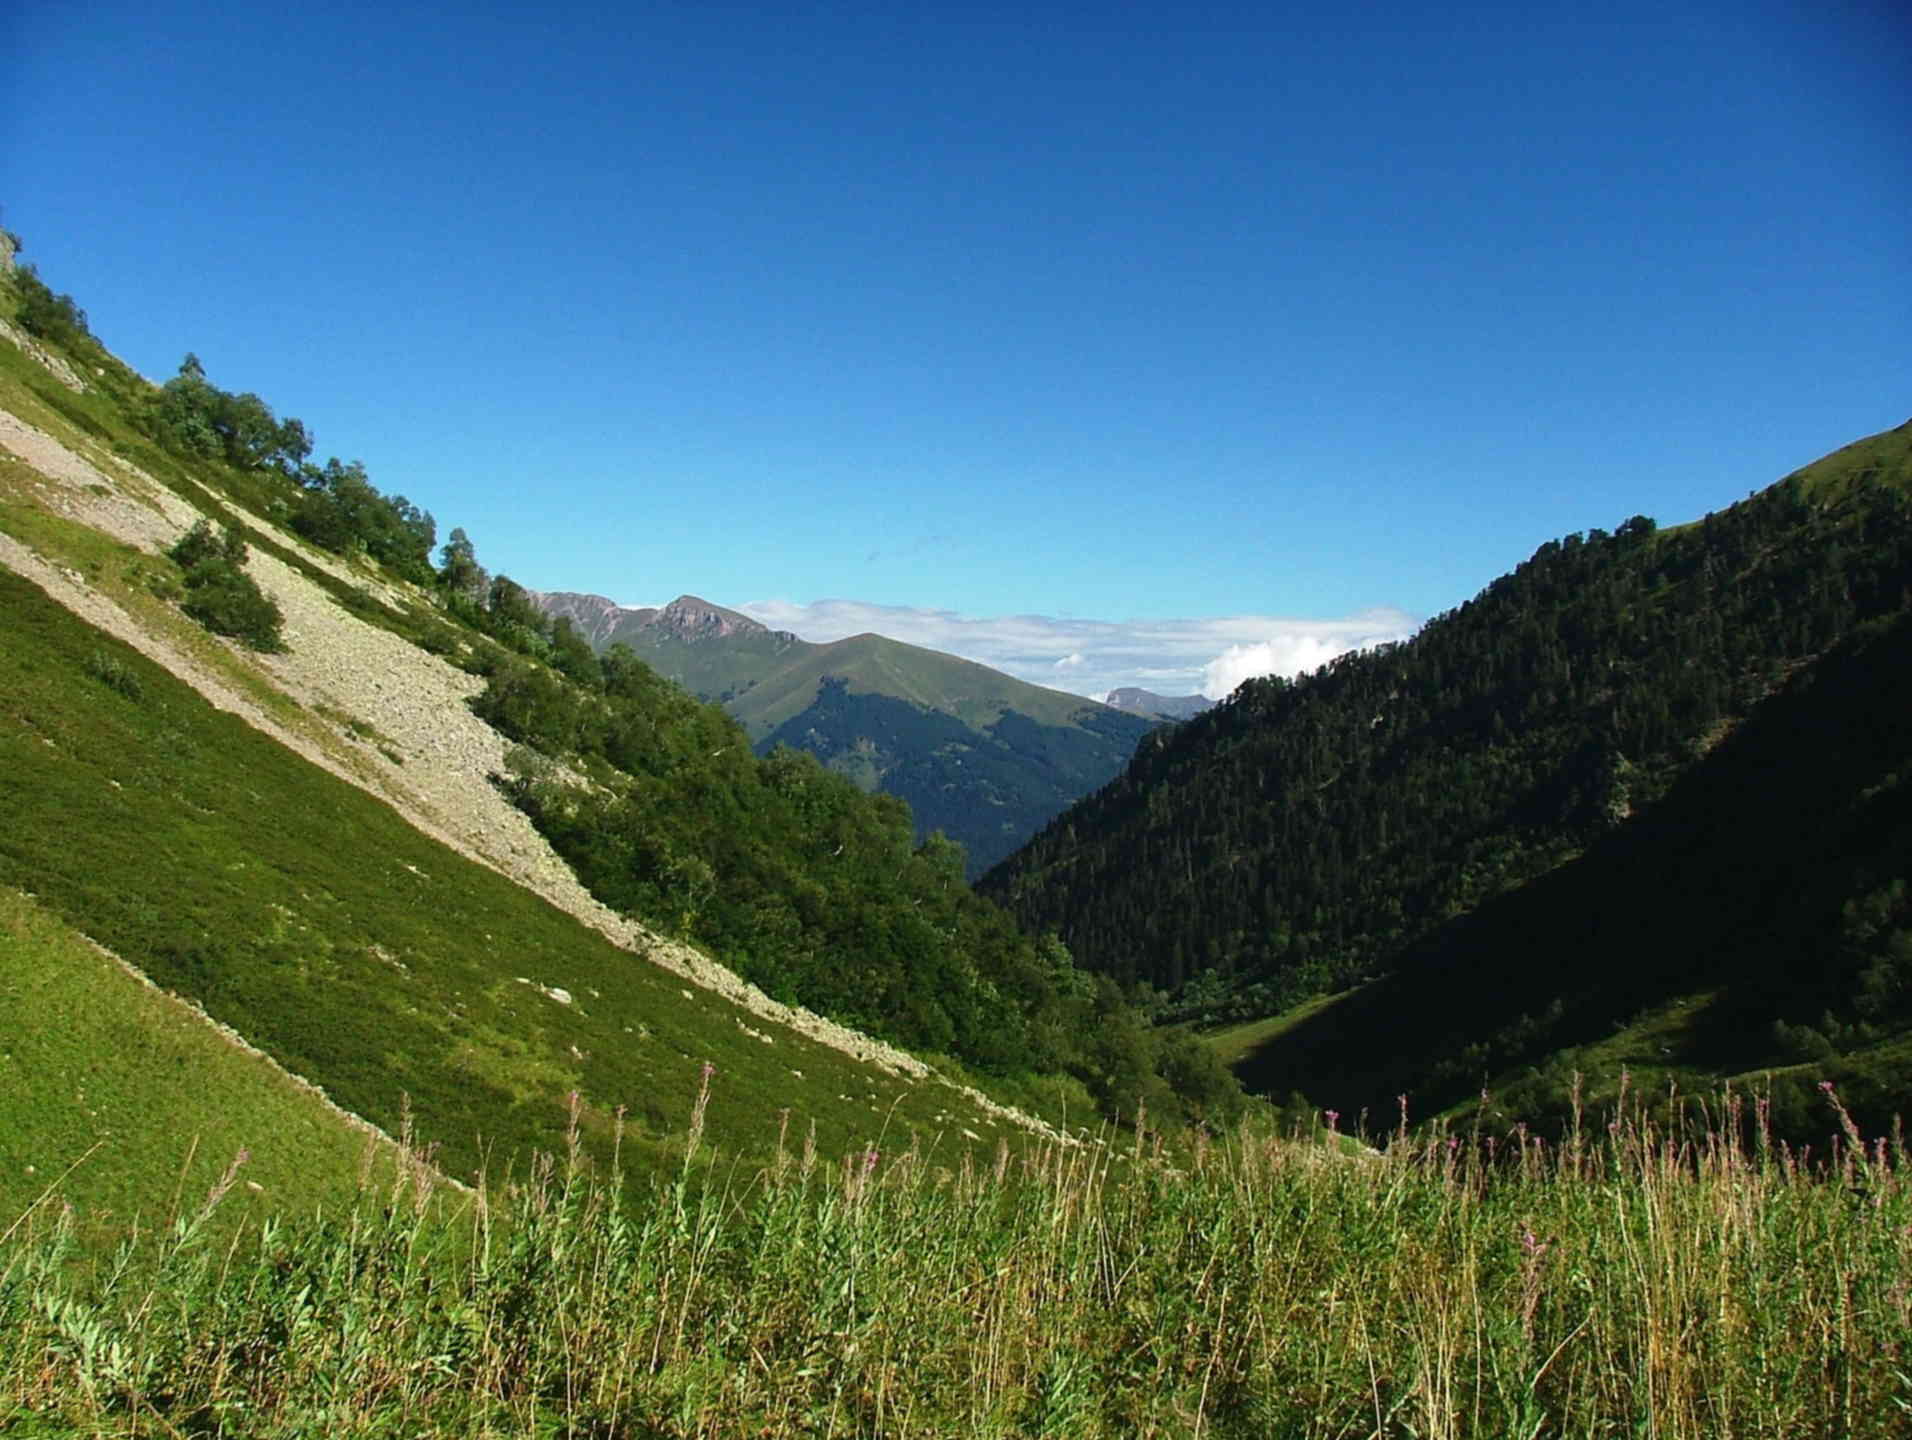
[1629, 1281]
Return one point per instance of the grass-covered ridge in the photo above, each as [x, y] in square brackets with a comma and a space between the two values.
[977, 754]
[1636, 1280]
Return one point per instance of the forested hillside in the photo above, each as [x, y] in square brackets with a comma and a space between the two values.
[1302, 836]
[814, 890]
[1754, 923]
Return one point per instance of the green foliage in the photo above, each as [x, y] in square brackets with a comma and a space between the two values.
[115, 674]
[335, 505]
[219, 593]
[1651, 1279]
[194, 418]
[818, 892]
[461, 576]
[1303, 835]
[56, 319]
[573, 657]
[342, 511]
[360, 954]
[90, 1052]
[1754, 920]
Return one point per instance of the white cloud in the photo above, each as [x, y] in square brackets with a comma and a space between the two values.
[1170, 657]
[1300, 646]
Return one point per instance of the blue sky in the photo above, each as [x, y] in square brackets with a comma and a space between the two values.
[1071, 313]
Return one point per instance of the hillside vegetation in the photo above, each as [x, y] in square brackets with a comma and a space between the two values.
[90, 1050]
[1755, 923]
[819, 893]
[695, 1212]
[1306, 837]
[1637, 1280]
[282, 891]
[318, 924]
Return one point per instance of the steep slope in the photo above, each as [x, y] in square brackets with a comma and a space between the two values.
[90, 1046]
[1756, 919]
[983, 757]
[312, 846]
[324, 845]
[1302, 836]
[319, 924]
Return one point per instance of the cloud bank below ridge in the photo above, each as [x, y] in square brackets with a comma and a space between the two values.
[1093, 657]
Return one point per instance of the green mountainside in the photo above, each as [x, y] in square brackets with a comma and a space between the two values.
[978, 755]
[284, 763]
[1355, 830]
[1755, 923]
[344, 889]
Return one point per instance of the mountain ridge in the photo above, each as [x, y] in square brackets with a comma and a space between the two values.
[1134, 699]
[1015, 754]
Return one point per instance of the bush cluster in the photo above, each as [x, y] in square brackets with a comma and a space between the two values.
[56, 319]
[335, 505]
[219, 593]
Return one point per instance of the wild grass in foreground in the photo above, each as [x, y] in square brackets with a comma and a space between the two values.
[1628, 1282]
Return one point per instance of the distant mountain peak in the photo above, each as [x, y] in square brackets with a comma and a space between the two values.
[1133, 700]
[695, 619]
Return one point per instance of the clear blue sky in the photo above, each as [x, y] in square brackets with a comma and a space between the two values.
[1065, 310]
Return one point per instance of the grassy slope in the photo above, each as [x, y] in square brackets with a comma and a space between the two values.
[312, 918]
[1886, 457]
[366, 957]
[973, 693]
[102, 1072]
[770, 677]
[713, 668]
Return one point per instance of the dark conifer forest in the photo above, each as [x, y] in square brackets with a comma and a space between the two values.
[1310, 837]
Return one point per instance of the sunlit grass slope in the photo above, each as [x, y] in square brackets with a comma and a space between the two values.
[359, 953]
[120, 1098]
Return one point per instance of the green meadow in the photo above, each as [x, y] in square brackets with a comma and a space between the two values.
[1631, 1281]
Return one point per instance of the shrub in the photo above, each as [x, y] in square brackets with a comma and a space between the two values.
[219, 593]
[41, 313]
[114, 674]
